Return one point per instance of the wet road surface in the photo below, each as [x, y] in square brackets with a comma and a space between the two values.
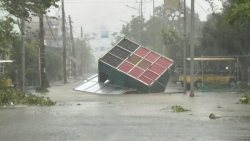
[132, 117]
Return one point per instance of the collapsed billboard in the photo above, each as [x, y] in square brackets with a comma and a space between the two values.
[131, 65]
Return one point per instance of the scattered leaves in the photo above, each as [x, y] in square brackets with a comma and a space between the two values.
[245, 99]
[178, 109]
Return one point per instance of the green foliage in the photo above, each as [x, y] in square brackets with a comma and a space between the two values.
[24, 8]
[239, 12]
[227, 34]
[19, 9]
[53, 62]
[245, 99]
[9, 95]
[172, 41]
[178, 109]
[3, 82]
[162, 35]
[18, 98]
[7, 35]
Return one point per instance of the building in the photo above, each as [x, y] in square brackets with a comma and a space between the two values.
[53, 37]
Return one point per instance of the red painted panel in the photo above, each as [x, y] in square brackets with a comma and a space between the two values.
[158, 69]
[150, 75]
[152, 57]
[164, 62]
[136, 72]
[146, 80]
[142, 52]
[125, 67]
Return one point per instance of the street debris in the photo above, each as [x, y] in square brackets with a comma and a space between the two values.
[109, 102]
[178, 109]
[15, 97]
[79, 104]
[214, 116]
[245, 99]
[167, 108]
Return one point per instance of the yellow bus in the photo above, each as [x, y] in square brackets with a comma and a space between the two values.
[219, 70]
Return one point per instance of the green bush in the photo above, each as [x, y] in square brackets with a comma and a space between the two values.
[178, 109]
[245, 99]
[17, 97]
[10, 95]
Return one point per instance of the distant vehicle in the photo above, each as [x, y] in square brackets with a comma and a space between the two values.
[203, 73]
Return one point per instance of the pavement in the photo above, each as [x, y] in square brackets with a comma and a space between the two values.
[79, 116]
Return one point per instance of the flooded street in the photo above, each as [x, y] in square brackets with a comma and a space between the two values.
[89, 117]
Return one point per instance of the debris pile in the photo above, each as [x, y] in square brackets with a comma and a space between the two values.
[16, 97]
[245, 99]
[214, 116]
[178, 109]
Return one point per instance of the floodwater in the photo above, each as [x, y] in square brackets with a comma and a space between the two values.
[132, 117]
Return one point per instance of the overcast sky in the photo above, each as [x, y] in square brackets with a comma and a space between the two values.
[96, 15]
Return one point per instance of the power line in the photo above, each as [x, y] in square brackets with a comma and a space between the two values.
[108, 15]
[201, 7]
[48, 22]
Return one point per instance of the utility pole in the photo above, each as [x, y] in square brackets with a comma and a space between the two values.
[23, 54]
[81, 53]
[154, 23]
[64, 45]
[44, 81]
[192, 51]
[185, 50]
[163, 26]
[141, 18]
[154, 10]
[73, 48]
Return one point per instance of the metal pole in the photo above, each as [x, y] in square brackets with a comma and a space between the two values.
[185, 50]
[64, 45]
[23, 55]
[192, 51]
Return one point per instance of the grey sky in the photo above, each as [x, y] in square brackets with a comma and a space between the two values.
[95, 15]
